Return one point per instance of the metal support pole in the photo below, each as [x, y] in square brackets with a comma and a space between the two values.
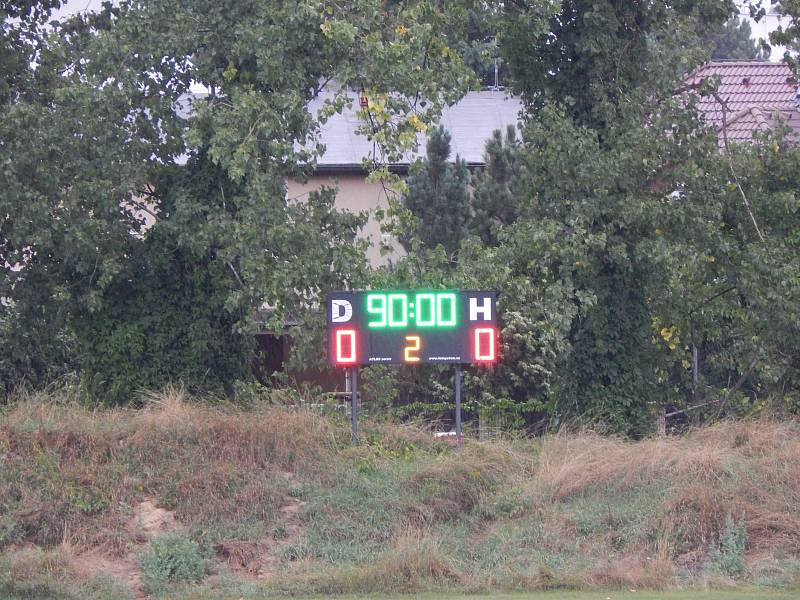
[354, 405]
[458, 406]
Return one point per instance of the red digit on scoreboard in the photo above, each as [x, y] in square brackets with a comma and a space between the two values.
[484, 344]
[346, 347]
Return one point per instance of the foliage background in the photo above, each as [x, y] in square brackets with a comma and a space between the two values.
[641, 270]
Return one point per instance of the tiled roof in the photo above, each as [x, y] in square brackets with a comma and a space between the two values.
[743, 125]
[470, 123]
[755, 94]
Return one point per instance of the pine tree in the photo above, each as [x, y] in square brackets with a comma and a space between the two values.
[438, 196]
[733, 40]
[494, 200]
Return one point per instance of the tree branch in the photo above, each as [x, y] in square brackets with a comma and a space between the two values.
[142, 207]
[737, 386]
[235, 274]
[721, 401]
[745, 201]
[712, 298]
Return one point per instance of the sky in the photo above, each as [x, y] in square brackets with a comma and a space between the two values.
[71, 7]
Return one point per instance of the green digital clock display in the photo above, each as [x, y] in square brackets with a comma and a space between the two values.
[397, 310]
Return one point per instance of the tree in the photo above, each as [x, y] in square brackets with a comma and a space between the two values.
[479, 47]
[592, 54]
[438, 197]
[788, 34]
[625, 210]
[630, 252]
[494, 197]
[733, 41]
[71, 158]
[91, 131]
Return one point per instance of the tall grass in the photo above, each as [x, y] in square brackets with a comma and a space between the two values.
[279, 496]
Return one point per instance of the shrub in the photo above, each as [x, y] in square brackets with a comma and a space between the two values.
[728, 558]
[170, 559]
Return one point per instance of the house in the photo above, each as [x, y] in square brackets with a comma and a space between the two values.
[470, 123]
[772, 20]
[752, 97]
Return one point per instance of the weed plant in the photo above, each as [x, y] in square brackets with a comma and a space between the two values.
[728, 557]
[171, 559]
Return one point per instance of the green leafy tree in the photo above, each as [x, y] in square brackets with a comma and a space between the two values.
[163, 317]
[788, 33]
[479, 48]
[90, 128]
[625, 254]
[592, 54]
[71, 158]
[635, 195]
[733, 40]
[438, 195]
[735, 296]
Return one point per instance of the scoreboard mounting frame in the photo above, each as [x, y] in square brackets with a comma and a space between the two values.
[412, 327]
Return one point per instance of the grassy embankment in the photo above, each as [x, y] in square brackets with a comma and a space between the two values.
[273, 501]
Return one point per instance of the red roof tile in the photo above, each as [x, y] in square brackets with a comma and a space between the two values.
[755, 94]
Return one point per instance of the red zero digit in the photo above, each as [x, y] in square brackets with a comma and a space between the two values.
[346, 350]
[484, 344]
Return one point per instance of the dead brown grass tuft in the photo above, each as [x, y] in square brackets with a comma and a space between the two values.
[570, 465]
[31, 563]
[697, 513]
[398, 437]
[416, 560]
[42, 412]
[414, 563]
[454, 484]
[631, 572]
[266, 437]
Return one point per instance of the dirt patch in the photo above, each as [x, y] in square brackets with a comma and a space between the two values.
[124, 570]
[260, 560]
[149, 521]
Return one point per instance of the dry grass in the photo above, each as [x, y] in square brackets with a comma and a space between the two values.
[570, 510]
[31, 563]
[571, 465]
[749, 470]
[415, 562]
[264, 435]
[631, 572]
[71, 471]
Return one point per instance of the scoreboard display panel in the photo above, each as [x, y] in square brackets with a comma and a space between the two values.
[412, 327]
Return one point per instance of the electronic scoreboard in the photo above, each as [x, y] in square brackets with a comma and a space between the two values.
[412, 327]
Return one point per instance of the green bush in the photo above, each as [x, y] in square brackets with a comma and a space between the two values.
[728, 558]
[171, 559]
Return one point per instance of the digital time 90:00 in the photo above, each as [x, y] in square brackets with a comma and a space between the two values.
[424, 309]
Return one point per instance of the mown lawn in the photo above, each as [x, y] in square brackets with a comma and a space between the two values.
[599, 595]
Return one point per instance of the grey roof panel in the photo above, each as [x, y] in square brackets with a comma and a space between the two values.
[470, 123]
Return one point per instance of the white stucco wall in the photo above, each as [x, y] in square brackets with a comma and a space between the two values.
[765, 26]
[355, 194]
